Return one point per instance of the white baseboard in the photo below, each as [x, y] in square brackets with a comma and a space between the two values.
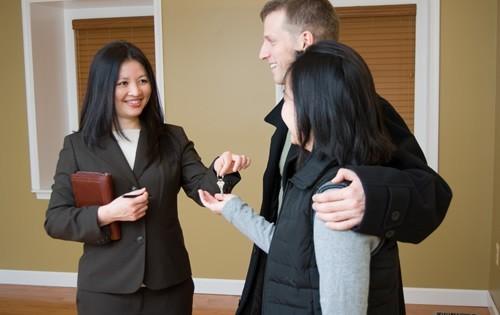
[68, 279]
[446, 297]
[42, 278]
[478, 298]
[218, 286]
[492, 307]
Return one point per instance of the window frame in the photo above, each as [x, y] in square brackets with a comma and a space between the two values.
[71, 10]
[427, 40]
[427, 54]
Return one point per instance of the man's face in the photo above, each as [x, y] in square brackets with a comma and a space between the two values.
[279, 45]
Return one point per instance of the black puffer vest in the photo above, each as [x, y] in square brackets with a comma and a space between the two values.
[291, 280]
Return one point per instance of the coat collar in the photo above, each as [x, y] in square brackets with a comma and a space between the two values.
[274, 116]
[315, 164]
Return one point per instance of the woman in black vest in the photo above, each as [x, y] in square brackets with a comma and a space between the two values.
[332, 113]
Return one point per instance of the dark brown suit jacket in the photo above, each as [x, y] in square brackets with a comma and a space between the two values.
[151, 250]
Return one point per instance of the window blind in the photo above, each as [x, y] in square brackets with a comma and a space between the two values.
[385, 37]
[92, 34]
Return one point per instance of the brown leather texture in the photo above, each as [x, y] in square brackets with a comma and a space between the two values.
[94, 189]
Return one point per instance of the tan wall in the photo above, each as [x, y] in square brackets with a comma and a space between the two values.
[458, 252]
[217, 89]
[495, 239]
[21, 215]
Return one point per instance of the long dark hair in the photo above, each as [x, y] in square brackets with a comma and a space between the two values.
[336, 104]
[98, 117]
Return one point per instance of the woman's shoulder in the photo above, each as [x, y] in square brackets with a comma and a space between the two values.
[175, 131]
[76, 141]
[74, 137]
[174, 134]
[172, 128]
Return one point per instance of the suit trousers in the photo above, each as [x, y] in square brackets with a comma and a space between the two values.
[176, 300]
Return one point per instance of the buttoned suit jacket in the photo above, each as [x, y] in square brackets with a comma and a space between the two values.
[151, 250]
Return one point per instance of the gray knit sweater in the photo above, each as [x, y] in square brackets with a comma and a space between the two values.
[343, 258]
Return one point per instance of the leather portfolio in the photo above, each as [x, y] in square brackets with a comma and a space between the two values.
[94, 189]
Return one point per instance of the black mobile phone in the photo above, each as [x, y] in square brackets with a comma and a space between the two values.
[131, 195]
[135, 195]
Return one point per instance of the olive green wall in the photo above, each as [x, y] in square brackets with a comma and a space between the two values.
[219, 91]
[495, 239]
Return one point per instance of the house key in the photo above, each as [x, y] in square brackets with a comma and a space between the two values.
[220, 183]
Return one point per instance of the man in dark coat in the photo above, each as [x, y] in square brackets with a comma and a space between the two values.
[405, 201]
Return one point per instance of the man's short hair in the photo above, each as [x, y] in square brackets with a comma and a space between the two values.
[316, 16]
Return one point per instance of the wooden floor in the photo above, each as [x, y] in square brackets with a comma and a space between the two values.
[32, 300]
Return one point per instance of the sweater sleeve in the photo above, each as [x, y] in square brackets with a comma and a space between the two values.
[250, 224]
[343, 260]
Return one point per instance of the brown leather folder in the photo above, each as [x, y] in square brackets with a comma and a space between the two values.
[94, 189]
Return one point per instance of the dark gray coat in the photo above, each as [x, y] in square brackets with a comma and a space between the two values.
[151, 250]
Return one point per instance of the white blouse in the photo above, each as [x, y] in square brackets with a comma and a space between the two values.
[128, 147]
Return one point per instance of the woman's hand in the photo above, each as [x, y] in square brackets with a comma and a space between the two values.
[124, 208]
[216, 202]
[228, 163]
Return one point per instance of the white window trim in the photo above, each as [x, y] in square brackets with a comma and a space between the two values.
[71, 15]
[72, 119]
[426, 118]
[30, 98]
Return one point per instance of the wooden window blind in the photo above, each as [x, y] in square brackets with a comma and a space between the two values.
[385, 37]
[92, 34]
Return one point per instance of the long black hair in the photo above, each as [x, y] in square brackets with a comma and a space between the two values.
[336, 104]
[98, 117]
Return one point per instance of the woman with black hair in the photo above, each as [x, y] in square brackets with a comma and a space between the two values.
[331, 109]
[122, 132]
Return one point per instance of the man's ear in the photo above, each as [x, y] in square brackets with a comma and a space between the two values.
[306, 39]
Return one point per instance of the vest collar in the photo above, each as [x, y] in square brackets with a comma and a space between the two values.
[313, 168]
